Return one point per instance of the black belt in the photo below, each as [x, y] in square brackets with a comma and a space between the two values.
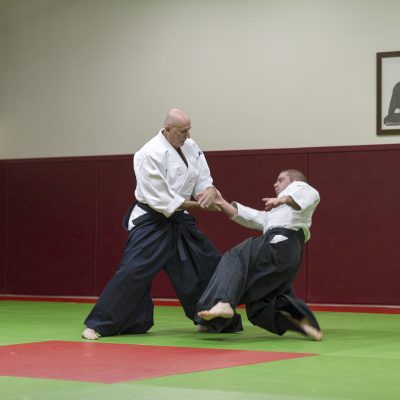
[290, 233]
[144, 206]
[148, 209]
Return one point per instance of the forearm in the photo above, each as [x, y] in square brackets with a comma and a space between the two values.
[189, 205]
[288, 200]
[227, 208]
[271, 203]
[194, 205]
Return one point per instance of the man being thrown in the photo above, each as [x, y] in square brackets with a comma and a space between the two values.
[259, 272]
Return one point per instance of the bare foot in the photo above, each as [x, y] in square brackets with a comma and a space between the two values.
[312, 332]
[90, 334]
[223, 310]
[305, 325]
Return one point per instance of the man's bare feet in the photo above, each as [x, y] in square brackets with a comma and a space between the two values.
[90, 334]
[222, 310]
[305, 325]
[312, 332]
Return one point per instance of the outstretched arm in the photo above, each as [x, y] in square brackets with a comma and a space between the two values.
[273, 202]
[227, 208]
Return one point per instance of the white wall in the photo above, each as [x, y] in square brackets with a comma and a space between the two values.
[91, 77]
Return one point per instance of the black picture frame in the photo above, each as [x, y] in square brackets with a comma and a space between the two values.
[388, 93]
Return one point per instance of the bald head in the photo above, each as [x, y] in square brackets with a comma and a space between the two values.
[176, 127]
[176, 117]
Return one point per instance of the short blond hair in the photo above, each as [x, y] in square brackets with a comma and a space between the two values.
[295, 175]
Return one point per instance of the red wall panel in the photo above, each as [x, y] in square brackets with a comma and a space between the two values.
[2, 229]
[51, 227]
[61, 220]
[354, 255]
[115, 194]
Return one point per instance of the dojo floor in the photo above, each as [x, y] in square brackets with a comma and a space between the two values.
[42, 357]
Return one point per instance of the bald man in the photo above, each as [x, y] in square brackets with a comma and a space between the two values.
[171, 171]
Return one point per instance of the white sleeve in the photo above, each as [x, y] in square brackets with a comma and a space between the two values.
[249, 217]
[151, 180]
[204, 180]
[303, 194]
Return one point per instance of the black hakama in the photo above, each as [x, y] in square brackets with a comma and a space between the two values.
[156, 242]
[260, 275]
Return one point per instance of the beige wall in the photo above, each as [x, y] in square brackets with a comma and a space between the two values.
[90, 77]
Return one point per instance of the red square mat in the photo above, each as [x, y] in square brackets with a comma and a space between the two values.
[111, 363]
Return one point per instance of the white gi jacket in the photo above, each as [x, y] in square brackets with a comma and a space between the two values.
[283, 216]
[163, 181]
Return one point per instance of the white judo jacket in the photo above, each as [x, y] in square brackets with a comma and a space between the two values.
[163, 181]
[283, 216]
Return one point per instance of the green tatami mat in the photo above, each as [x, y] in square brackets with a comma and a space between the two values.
[359, 358]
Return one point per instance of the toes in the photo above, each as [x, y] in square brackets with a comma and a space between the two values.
[90, 334]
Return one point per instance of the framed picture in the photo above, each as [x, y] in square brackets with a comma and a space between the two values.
[388, 93]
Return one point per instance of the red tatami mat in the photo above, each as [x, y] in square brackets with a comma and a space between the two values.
[111, 363]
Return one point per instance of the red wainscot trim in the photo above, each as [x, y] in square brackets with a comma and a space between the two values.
[354, 308]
